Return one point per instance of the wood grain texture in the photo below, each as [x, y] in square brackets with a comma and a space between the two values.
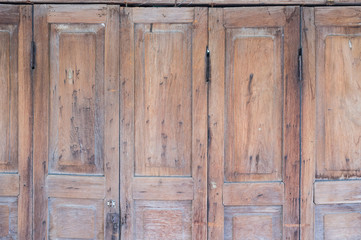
[337, 192]
[337, 16]
[199, 124]
[126, 102]
[80, 111]
[253, 194]
[77, 14]
[163, 116]
[340, 221]
[188, 3]
[163, 220]
[76, 218]
[77, 96]
[216, 125]
[15, 122]
[254, 66]
[330, 127]
[9, 185]
[339, 107]
[166, 189]
[25, 108]
[252, 222]
[163, 110]
[41, 114]
[291, 127]
[9, 218]
[9, 112]
[254, 89]
[308, 133]
[253, 2]
[75, 187]
[163, 15]
[255, 17]
[111, 118]
[10, 14]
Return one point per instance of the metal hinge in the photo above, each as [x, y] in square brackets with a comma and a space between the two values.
[300, 62]
[208, 65]
[33, 55]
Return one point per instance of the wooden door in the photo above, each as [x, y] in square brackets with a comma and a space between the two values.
[331, 124]
[163, 123]
[15, 122]
[253, 178]
[76, 122]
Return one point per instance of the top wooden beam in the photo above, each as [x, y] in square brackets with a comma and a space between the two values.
[197, 2]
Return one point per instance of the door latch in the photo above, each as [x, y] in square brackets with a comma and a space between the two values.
[113, 219]
[111, 203]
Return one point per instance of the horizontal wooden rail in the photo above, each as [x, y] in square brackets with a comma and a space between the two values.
[235, 194]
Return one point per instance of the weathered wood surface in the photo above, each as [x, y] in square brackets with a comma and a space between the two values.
[253, 118]
[15, 123]
[163, 123]
[76, 140]
[331, 189]
[188, 3]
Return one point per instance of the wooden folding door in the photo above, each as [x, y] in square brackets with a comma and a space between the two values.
[76, 122]
[163, 123]
[253, 181]
[15, 122]
[331, 124]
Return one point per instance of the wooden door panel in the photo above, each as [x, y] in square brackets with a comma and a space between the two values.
[254, 105]
[76, 122]
[163, 123]
[163, 89]
[331, 124]
[76, 113]
[15, 122]
[253, 124]
[250, 222]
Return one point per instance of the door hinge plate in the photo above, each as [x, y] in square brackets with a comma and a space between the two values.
[208, 65]
[300, 63]
[33, 55]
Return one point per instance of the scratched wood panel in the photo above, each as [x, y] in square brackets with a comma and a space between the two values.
[163, 123]
[163, 220]
[335, 192]
[76, 218]
[76, 140]
[253, 120]
[339, 109]
[77, 97]
[8, 98]
[8, 218]
[236, 194]
[163, 189]
[254, 104]
[15, 122]
[331, 126]
[163, 100]
[340, 221]
[250, 222]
